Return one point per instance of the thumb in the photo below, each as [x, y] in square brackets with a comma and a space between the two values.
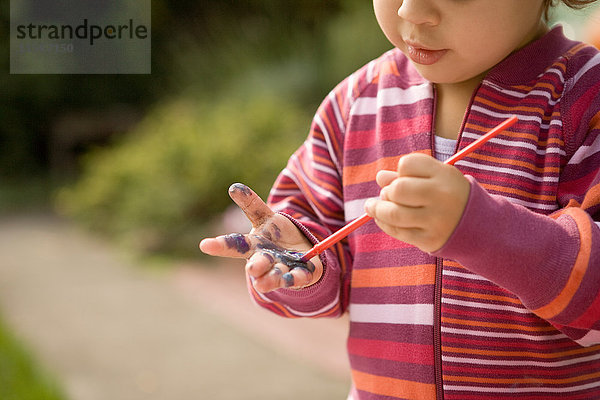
[251, 204]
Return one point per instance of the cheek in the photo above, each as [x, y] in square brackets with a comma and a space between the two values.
[499, 29]
[386, 12]
[479, 48]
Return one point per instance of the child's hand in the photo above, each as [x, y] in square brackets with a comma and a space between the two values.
[272, 248]
[420, 204]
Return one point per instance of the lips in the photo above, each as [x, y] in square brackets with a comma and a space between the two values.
[423, 56]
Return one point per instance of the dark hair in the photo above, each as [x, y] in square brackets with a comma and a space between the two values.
[577, 4]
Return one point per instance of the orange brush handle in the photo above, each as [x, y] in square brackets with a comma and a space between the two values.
[335, 237]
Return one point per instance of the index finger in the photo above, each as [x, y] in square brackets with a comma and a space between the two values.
[417, 165]
[251, 204]
[385, 177]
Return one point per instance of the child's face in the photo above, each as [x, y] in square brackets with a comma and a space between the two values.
[452, 41]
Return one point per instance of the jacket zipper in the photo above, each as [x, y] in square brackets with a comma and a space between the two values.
[437, 330]
[439, 262]
[437, 301]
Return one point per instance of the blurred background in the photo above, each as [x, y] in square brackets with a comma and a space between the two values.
[108, 182]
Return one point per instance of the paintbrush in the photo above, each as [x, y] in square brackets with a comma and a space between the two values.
[358, 222]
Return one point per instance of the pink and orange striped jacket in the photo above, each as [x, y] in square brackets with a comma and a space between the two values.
[509, 308]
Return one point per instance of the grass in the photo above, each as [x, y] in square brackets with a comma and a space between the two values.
[20, 377]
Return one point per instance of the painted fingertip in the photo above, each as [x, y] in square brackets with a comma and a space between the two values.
[303, 279]
[288, 279]
[268, 257]
[240, 188]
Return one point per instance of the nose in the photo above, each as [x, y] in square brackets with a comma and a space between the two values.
[419, 12]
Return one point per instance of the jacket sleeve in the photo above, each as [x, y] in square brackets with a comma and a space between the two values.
[309, 192]
[552, 263]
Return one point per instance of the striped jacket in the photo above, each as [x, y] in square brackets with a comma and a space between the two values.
[509, 308]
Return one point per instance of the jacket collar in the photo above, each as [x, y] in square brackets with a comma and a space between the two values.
[527, 63]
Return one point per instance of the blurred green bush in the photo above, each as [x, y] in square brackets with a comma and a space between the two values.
[170, 176]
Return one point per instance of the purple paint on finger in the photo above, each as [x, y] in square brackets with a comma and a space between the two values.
[288, 279]
[287, 257]
[310, 267]
[277, 232]
[268, 256]
[237, 241]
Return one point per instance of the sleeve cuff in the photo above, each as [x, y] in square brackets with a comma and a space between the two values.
[520, 250]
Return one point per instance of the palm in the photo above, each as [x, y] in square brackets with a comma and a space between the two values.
[283, 233]
[273, 247]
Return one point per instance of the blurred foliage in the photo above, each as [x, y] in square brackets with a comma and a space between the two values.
[172, 173]
[277, 50]
[242, 96]
[20, 377]
[351, 39]
[30, 103]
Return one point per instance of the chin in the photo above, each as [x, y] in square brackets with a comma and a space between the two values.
[439, 74]
[433, 76]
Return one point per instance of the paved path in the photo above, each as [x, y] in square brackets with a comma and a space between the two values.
[108, 328]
